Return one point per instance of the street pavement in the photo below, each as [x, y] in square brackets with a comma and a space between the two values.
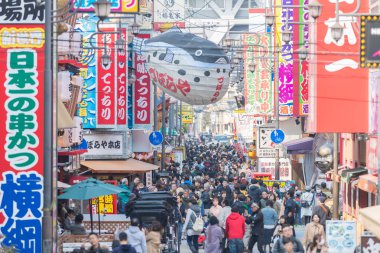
[300, 230]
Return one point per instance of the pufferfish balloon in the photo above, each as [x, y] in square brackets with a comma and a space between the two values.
[187, 67]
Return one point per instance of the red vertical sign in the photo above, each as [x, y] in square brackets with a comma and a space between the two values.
[122, 82]
[106, 81]
[341, 88]
[142, 92]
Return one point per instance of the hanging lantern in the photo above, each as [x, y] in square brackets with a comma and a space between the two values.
[64, 83]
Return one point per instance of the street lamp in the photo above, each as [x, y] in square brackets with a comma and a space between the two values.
[315, 9]
[337, 31]
[119, 43]
[239, 55]
[287, 36]
[106, 60]
[102, 9]
[252, 67]
[135, 28]
[302, 53]
[269, 19]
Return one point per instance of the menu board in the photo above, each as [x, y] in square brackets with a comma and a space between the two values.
[341, 236]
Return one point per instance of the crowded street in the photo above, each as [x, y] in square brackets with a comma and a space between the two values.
[190, 126]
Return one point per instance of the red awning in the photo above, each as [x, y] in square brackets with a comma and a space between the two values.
[368, 183]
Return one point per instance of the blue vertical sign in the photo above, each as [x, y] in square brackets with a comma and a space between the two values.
[87, 107]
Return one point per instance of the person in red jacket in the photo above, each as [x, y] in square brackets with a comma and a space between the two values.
[235, 229]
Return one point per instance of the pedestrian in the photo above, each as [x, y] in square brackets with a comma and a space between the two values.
[77, 228]
[180, 213]
[256, 222]
[325, 190]
[318, 245]
[297, 199]
[124, 246]
[290, 209]
[216, 209]
[276, 202]
[312, 229]
[287, 243]
[307, 199]
[153, 238]
[254, 191]
[235, 229]
[278, 230]
[214, 235]
[322, 210]
[136, 237]
[95, 245]
[191, 235]
[69, 220]
[226, 211]
[124, 196]
[270, 220]
[263, 200]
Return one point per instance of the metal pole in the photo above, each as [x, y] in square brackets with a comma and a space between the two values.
[336, 183]
[180, 123]
[47, 221]
[155, 119]
[163, 131]
[277, 93]
[170, 120]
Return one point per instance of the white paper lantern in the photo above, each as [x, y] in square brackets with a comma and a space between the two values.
[64, 83]
[78, 131]
[187, 67]
[78, 81]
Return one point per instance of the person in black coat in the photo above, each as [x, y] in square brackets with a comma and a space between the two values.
[255, 191]
[124, 246]
[257, 224]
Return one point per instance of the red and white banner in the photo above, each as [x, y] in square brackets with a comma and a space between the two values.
[106, 104]
[122, 74]
[142, 93]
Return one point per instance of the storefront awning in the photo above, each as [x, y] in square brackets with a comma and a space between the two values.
[370, 218]
[119, 166]
[349, 173]
[299, 146]
[368, 183]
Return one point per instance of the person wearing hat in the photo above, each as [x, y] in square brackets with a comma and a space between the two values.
[307, 201]
[257, 225]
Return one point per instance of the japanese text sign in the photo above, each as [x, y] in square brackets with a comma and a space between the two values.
[259, 90]
[22, 125]
[105, 204]
[340, 92]
[303, 66]
[105, 145]
[169, 12]
[370, 41]
[87, 107]
[285, 67]
[117, 6]
[122, 76]
[267, 165]
[142, 94]
[21, 12]
[285, 184]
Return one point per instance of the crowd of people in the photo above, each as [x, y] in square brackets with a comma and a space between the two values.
[222, 207]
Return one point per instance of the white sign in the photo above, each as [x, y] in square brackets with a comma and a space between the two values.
[341, 236]
[169, 11]
[106, 145]
[266, 147]
[267, 165]
[149, 178]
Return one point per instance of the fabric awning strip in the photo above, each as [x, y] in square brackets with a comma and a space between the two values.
[300, 146]
[349, 173]
[119, 166]
[368, 183]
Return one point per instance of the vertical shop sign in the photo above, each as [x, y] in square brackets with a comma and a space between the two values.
[22, 125]
[303, 67]
[122, 74]
[258, 88]
[285, 67]
[340, 93]
[142, 93]
[106, 80]
[130, 106]
[89, 57]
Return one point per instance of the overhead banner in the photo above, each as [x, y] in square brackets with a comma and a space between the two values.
[122, 82]
[106, 104]
[340, 91]
[285, 67]
[303, 66]
[168, 14]
[87, 107]
[259, 91]
[117, 6]
[370, 41]
[142, 92]
[22, 125]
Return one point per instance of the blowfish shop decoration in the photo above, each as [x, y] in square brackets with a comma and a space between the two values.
[22, 41]
[187, 67]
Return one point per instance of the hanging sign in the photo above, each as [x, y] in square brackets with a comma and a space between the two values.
[370, 41]
[22, 125]
[122, 76]
[106, 145]
[117, 6]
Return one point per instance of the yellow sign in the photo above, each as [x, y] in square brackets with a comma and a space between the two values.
[130, 6]
[22, 37]
[187, 117]
[241, 111]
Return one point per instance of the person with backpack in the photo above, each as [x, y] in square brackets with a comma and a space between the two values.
[235, 229]
[307, 200]
[193, 226]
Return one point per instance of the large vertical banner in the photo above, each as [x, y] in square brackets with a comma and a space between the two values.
[340, 94]
[303, 66]
[106, 104]
[142, 93]
[22, 38]
[285, 67]
[122, 82]
[259, 95]
[87, 107]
